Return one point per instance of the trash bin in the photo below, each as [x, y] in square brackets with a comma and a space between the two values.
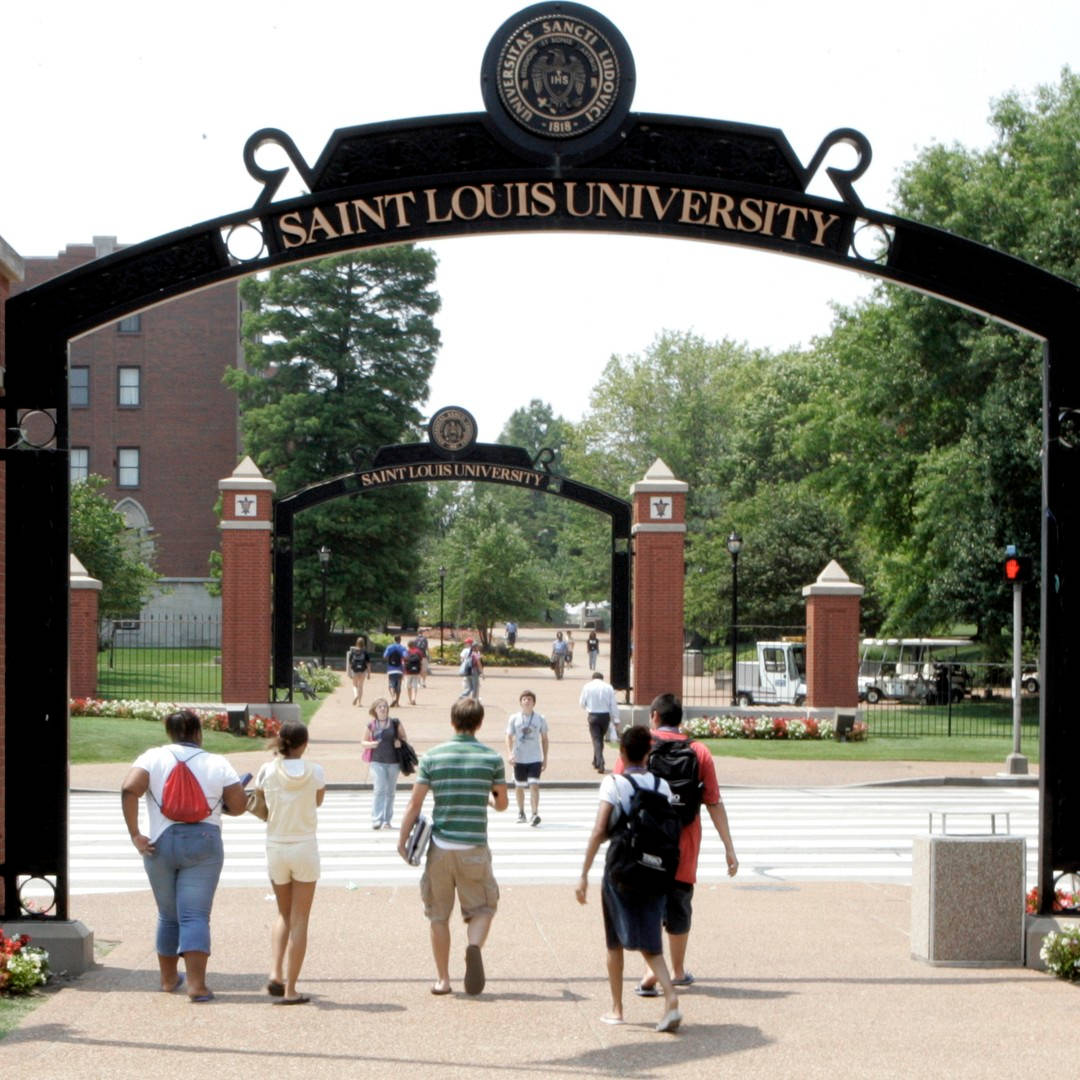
[967, 894]
[694, 663]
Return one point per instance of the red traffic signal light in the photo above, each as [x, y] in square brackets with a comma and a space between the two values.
[1017, 568]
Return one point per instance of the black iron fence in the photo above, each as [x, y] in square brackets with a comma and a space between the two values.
[769, 675]
[161, 658]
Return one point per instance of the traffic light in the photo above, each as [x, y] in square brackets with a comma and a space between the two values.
[1017, 568]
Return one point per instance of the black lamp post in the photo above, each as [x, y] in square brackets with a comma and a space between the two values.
[324, 562]
[442, 586]
[734, 546]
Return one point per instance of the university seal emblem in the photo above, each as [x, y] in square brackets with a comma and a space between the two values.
[452, 429]
[558, 71]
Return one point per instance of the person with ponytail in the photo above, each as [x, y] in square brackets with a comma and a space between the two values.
[293, 789]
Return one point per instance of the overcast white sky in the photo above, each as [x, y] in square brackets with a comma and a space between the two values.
[129, 119]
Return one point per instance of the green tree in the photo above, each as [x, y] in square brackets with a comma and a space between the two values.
[109, 550]
[338, 354]
[493, 572]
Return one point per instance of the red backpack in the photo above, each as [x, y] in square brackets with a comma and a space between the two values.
[182, 797]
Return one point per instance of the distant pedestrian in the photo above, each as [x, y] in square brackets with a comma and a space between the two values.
[592, 647]
[414, 666]
[558, 654]
[601, 709]
[182, 858]
[511, 634]
[357, 664]
[631, 920]
[472, 668]
[569, 648]
[527, 748]
[425, 651]
[465, 777]
[293, 789]
[385, 735]
[394, 655]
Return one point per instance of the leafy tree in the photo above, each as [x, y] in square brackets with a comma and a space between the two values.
[109, 550]
[493, 571]
[338, 354]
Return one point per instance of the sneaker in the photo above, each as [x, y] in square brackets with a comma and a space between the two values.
[535, 820]
[521, 817]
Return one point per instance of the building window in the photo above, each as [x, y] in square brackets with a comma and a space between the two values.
[128, 386]
[79, 387]
[127, 467]
[131, 325]
[80, 463]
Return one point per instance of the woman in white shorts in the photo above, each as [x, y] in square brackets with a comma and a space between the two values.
[293, 789]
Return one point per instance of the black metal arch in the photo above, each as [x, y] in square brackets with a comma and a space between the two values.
[421, 463]
[450, 176]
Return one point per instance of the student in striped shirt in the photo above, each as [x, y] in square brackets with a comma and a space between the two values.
[465, 777]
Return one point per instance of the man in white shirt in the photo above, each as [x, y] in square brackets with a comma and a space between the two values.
[527, 748]
[598, 701]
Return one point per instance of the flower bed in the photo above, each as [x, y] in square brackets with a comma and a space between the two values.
[22, 966]
[1063, 901]
[728, 726]
[258, 727]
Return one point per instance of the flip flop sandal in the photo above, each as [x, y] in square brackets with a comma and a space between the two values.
[647, 991]
[275, 988]
[686, 980]
[301, 1000]
[181, 978]
[474, 970]
[201, 999]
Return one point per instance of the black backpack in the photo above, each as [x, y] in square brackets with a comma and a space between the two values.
[643, 852]
[413, 663]
[676, 762]
[357, 660]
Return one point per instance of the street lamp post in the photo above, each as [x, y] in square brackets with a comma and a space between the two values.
[734, 546]
[324, 562]
[442, 587]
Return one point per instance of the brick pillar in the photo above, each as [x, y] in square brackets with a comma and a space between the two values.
[11, 270]
[832, 639]
[245, 584]
[659, 531]
[82, 632]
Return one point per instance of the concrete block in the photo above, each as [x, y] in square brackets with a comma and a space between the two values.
[69, 943]
[967, 900]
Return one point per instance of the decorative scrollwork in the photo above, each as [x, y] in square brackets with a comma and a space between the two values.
[843, 179]
[271, 178]
[44, 900]
[544, 457]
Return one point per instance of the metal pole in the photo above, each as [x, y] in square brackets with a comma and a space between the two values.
[322, 658]
[442, 587]
[1016, 764]
[734, 628]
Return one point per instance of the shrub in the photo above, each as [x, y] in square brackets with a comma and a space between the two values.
[22, 966]
[767, 727]
[1060, 953]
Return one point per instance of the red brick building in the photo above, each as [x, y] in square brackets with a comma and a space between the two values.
[149, 411]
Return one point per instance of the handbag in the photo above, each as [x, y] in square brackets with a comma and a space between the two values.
[256, 804]
[407, 758]
[417, 843]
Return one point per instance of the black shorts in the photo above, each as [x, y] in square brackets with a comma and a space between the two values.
[678, 908]
[529, 773]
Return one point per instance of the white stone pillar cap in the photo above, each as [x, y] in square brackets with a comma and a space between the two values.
[78, 578]
[246, 477]
[833, 581]
[659, 478]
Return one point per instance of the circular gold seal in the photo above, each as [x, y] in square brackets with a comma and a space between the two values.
[558, 74]
[452, 429]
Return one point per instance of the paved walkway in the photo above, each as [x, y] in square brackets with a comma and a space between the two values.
[802, 980]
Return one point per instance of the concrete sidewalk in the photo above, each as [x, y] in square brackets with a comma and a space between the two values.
[799, 980]
[338, 727]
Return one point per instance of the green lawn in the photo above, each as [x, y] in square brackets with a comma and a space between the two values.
[925, 748]
[13, 1010]
[158, 674]
[96, 739]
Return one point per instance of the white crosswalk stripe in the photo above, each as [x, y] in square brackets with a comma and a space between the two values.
[780, 834]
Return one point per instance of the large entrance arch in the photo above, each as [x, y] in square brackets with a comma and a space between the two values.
[557, 148]
[423, 463]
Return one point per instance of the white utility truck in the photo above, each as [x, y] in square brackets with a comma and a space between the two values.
[776, 677]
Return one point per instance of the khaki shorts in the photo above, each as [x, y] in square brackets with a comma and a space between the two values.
[298, 861]
[467, 871]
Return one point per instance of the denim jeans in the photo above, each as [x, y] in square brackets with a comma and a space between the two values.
[183, 873]
[384, 779]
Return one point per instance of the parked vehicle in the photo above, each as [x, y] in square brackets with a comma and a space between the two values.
[776, 677]
[920, 670]
[1030, 681]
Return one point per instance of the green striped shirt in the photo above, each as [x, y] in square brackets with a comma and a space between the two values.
[461, 774]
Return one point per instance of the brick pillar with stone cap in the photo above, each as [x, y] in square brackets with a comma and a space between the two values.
[246, 531]
[659, 533]
[84, 597]
[832, 639]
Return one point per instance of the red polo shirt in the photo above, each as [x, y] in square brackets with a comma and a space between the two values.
[690, 837]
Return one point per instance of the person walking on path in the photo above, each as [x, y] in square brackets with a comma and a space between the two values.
[665, 717]
[631, 920]
[385, 736]
[465, 777]
[598, 700]
[424, 646]
[414, 671]
[357, 664]
[293, 789]
[559, 652]
[472, 668]
[592, 647]
[394, 655]
[183, 858]
[527, 749]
